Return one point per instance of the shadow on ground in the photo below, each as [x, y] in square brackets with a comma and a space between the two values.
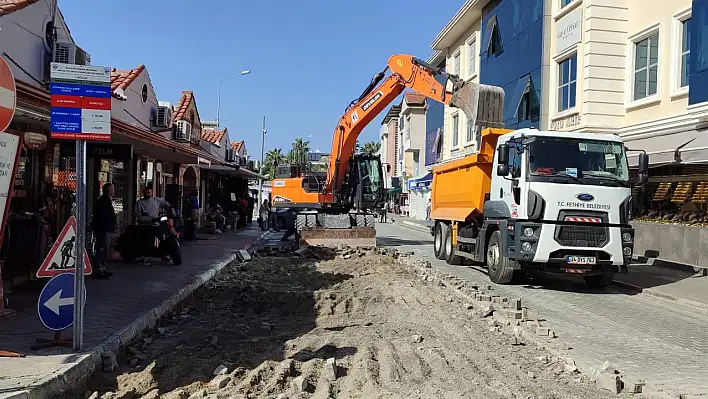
[242, 319]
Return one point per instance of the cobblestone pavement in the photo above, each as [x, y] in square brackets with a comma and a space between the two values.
[111, 305]
[650, 339]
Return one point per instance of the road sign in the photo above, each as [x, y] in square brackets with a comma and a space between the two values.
[55, 306]
[8, 95]
[80, 102]
[62, 257]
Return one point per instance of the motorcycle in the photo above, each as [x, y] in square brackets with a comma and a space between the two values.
[156, 240]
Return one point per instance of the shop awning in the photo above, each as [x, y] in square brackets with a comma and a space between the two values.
[233, 170]
[669, 148]
[421, 183]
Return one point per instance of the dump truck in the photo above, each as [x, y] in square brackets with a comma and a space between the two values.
[531, 200]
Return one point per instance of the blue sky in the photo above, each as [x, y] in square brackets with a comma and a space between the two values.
[309, 58]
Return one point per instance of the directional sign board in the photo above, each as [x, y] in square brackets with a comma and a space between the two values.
[56, 302]
[62, 257]
[8, 95]
[81, 102]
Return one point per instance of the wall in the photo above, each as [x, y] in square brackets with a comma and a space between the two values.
[22, 37]
[462, 46]
[144, 112]
[434, 120]
[669, 100]
[698, 66]
[521, 29]
[392, 141]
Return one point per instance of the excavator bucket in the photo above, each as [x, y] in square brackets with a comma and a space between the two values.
[336, 230]
[482, 104]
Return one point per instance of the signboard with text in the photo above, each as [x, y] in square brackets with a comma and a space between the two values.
[80, 102]
[569, 30]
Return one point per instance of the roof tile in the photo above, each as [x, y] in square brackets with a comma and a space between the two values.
[8, 6]
[213, 135]
[122, 78]
[183, 105]
[237, 145]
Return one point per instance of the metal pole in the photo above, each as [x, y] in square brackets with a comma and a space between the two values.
[260, 168]
[218, 105]
[80, 244]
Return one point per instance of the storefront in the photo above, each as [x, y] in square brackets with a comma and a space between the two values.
[419, 194]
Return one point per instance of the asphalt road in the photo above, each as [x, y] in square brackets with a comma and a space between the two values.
[649, 339]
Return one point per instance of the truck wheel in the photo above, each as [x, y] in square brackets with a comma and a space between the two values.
[300, 222]
[450, 256]
[439, 240]
[600, 280]
[370, 221]
[311, 220]
[360, 221]
[498, 265]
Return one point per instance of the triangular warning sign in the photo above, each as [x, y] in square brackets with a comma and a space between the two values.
[62, 257]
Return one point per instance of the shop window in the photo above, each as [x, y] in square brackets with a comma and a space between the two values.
[567, 76]
[646, 67]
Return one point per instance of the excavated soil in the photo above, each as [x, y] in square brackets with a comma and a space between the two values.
[276, 321]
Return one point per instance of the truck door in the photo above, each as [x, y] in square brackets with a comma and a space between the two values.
[508, 189]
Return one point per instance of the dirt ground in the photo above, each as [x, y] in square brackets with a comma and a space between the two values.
[276, 321]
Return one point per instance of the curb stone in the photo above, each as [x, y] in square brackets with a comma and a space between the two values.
[74, 374]
[551, 343]
[681, 301]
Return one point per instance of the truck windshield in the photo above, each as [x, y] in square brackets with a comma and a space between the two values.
[585, 160]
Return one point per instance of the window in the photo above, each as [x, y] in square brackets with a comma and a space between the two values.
[529, 108]
[144, 93]
[472, 58]
[470, 131]
[646, 67]
[685, 51]
[565, 2]
[494, 44]
[456, 63]
[567, 76]
[455, 130]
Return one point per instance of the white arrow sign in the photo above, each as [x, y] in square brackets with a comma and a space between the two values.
[56, 301]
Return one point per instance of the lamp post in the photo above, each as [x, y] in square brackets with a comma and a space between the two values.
[260, 170]
[218, 103]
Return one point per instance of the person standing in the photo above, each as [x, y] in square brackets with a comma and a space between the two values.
[104, 225]
[428, 209]
[384, 213]
[250, 204]
[264, 214]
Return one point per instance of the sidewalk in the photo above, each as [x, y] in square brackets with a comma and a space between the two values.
[669, 283]
[116, 311]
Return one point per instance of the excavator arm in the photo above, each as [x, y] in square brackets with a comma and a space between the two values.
[406, 72]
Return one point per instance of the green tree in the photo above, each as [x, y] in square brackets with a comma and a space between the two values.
[371, 148]
[299, 151]
[273, 158]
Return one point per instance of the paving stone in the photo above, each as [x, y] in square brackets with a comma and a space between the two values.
[331, 369]
[610, 382]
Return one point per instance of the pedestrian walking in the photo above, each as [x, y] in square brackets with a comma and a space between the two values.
[104, 225]
[428, 209]
[384, 213]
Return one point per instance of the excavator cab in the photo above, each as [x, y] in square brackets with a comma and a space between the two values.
[365, 188]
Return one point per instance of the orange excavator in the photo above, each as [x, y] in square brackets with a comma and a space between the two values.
[340, 207]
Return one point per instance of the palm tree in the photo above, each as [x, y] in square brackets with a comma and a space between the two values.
[371, 148]
[299, 151]
[273, 158]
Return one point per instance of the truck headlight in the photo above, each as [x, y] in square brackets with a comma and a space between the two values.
[627, 251]
[528, 232]
[526, 247]
[626, 237]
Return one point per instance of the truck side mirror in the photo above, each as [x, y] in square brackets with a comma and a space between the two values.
[503, 160]
[388, 168]
[643, 168]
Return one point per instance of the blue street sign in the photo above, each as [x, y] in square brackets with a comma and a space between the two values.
[55, 306]
[71, 89]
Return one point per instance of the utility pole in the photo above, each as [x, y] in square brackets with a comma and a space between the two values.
[260, 168]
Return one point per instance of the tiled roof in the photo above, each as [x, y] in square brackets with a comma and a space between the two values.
[413, 98]
[122, 78]
[213, 135]
[8, 6]
[183, 105]
[237, 145]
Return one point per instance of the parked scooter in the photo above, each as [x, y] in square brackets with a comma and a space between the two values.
[156, 240]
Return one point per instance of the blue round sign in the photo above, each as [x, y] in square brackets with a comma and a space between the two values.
[55, 306]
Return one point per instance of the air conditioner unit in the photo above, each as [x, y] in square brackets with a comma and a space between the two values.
[69, 53]
[230, 155]
[183, 131]
[164, 116]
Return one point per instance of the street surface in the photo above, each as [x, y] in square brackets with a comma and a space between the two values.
[650, 339]
[329, 324]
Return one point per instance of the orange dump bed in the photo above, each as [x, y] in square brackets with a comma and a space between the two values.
[459, 186]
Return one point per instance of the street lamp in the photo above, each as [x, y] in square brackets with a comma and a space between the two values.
[218, 104]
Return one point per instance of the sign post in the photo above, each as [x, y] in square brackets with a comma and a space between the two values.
[81, 111]
[9, 154]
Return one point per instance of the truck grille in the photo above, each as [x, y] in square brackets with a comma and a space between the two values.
[582, 236]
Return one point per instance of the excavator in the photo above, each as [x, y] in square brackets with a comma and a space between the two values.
[340, 207]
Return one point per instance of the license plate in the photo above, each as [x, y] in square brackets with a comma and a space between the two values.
[582, 260]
